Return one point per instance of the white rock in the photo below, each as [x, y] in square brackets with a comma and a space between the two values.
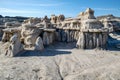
[39, 44]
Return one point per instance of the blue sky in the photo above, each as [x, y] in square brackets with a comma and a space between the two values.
[70, 8]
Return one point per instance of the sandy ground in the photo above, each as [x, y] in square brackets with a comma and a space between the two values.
[62, 61]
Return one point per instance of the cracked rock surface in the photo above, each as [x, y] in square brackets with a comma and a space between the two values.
[66, 63]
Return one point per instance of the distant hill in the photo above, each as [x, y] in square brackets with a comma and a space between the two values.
[1, 16]
[10, 19]
[106, 16]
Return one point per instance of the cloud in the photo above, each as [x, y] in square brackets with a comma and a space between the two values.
[7, 10]
[108, 9]
[103, 9]
[33, 4]
[34, 12]
[42, 5]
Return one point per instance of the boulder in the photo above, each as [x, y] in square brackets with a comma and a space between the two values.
[14, 47]
[39, 44]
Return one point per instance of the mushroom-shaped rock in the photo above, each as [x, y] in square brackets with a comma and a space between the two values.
[92, 32]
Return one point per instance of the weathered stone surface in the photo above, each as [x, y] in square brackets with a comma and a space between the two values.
[68, 35]
[12, 24]
[29, 34]
[64, 36]
[32, 20]
[59, 62]
[57, 19]
[88, 31]
[94, 39]
[60, 36]
[5, 37]
[79, 65]
[14, 46]
[8, 33]
[39, 44]
[92, 31]
[49, 37]
[4, 47]
[81, 42]
[46, 40]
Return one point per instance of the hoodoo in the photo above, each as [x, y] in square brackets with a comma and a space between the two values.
[35, 33]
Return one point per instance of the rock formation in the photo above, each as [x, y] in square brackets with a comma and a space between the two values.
[39, 44]
[48, 36]
[92, 33]
[111, 22]
[61, 60]
[29, 34]
[56, 19]
[12, 37]
[86, 30]
[12, 24]
[15, 46]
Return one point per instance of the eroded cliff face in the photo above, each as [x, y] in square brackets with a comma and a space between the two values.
[87, 31]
